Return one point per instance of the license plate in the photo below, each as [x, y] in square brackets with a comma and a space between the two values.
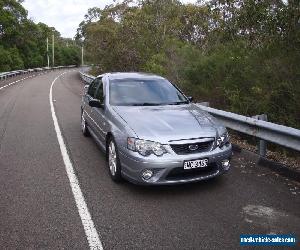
[202, 163]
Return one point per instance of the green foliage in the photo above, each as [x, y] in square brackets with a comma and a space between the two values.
[23, 43]
[241, 56]
[10, 59]
[156, 64]
[5, 59]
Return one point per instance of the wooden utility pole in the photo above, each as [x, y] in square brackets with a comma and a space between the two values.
[82, 55]
[53, 50]
[48, 63]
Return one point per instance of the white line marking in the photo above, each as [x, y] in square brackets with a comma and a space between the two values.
[86, 219]
[5, 86]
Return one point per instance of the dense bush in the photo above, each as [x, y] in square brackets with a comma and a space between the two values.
[242, 56]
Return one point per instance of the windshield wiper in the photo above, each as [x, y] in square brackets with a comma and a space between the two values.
[178, 103]
[157, 104]
[145, 104]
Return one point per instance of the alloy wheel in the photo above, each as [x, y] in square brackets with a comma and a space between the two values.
[112, 158]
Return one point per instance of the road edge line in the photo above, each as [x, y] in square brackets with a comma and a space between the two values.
[85, 216]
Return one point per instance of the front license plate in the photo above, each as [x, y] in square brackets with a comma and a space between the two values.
[202, 163]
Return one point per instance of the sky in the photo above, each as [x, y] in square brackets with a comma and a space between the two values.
[64, 15]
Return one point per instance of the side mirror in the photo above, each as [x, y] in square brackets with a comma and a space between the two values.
[95, 103]
[190, 98]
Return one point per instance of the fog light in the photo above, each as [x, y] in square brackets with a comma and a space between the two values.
[147, 174]
[225, 164]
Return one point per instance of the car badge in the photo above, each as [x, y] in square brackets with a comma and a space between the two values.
[193, 147]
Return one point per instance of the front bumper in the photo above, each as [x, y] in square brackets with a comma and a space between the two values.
[168, 169]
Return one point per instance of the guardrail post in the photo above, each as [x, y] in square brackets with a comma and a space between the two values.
[262, 144]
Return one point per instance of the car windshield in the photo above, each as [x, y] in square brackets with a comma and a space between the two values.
[144, 92]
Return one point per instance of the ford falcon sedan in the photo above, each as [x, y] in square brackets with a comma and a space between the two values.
[152, 133]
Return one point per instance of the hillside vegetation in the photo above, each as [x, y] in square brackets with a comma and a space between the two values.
[242, 56]
[23, 43]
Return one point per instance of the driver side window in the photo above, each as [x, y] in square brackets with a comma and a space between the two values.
[99, 92]
[93, 87]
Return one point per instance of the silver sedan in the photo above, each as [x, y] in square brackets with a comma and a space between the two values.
[151, 132]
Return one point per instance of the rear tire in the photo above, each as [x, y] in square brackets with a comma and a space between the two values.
[84, 128]
[113, 163]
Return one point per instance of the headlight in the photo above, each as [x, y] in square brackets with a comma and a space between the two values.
[223, 139]
[145, 148]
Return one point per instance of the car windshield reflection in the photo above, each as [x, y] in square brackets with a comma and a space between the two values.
[145, 92]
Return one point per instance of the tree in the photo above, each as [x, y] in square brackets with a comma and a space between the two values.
[241, 55]
[23, 43]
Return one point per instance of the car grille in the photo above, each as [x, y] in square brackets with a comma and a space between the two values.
[180, 173]
[192, 148]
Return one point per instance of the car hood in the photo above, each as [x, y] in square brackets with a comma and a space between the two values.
[168, 123]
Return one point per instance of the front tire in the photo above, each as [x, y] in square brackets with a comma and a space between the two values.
[113, 162]
[84, 129]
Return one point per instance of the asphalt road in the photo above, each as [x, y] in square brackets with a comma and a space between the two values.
[37, 206]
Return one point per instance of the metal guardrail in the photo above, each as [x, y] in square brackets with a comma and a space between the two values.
[6, 75]
[278, 134]
[257, 127]
[86, 78]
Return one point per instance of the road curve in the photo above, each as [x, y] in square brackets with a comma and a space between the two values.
[38, 209]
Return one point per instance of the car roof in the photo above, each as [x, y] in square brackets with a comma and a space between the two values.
[130, 75]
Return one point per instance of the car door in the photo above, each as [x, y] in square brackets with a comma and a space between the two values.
[98, 114]
[91, 92]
